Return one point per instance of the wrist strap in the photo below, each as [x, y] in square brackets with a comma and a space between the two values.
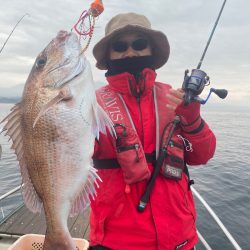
[193, 127]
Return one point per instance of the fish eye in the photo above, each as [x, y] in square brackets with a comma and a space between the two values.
[41, 62]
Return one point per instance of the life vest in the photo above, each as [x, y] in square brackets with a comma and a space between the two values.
[128, 147]
[168, 222]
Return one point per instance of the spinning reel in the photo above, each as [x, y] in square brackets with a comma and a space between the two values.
[194, 84]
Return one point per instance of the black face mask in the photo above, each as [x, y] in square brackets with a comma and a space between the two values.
[132, 65]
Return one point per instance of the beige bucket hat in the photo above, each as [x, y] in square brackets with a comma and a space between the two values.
[129, 22]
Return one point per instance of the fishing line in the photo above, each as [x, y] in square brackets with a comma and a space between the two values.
[85, 31]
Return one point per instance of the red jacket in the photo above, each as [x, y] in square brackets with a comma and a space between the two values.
[168, 221]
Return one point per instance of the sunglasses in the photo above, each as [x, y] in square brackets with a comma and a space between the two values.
[138, 45]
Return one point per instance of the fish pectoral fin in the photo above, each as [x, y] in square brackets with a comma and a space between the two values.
[64, 94]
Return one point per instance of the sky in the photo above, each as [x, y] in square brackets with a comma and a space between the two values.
[187, 25]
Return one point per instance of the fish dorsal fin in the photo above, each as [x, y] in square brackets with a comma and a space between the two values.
[14, 131]
[82, 200]
[101, 122]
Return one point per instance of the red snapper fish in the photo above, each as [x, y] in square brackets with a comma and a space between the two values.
[53, 130]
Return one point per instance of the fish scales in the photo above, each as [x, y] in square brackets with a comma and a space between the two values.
[53, 130]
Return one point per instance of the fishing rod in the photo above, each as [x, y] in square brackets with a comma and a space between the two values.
[12, 31]
[194, 84]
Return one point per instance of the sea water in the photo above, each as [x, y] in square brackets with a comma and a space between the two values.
[224, 182]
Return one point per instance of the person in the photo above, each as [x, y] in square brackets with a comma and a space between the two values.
[145, 113]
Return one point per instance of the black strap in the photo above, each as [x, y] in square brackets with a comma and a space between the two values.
[150, 157]
[195, 131]
[190, 182]
[113, 163]
[98, 247]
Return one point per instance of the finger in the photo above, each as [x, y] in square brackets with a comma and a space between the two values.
[181, 90]
[171, 107]
[178, 93]
[174, 100]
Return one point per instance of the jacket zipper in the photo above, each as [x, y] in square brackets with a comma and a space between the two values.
[137, 95]
[138, 99]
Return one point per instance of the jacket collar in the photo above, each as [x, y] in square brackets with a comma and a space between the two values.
[125, 83]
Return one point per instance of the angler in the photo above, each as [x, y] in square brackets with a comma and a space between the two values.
[146, 163]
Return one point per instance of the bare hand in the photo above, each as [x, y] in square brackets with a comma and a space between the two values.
[175, 98]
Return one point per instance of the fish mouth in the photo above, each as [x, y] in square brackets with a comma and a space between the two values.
[64, 35]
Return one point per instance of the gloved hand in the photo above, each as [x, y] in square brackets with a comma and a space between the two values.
[189, 115]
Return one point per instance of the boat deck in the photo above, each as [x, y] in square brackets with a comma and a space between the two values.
[22, 221]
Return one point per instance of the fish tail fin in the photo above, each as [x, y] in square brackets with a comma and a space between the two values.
[59, 241]
[82, 200]
[102, 122]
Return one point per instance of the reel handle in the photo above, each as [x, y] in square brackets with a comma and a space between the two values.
[194, 84]
[222, 93]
